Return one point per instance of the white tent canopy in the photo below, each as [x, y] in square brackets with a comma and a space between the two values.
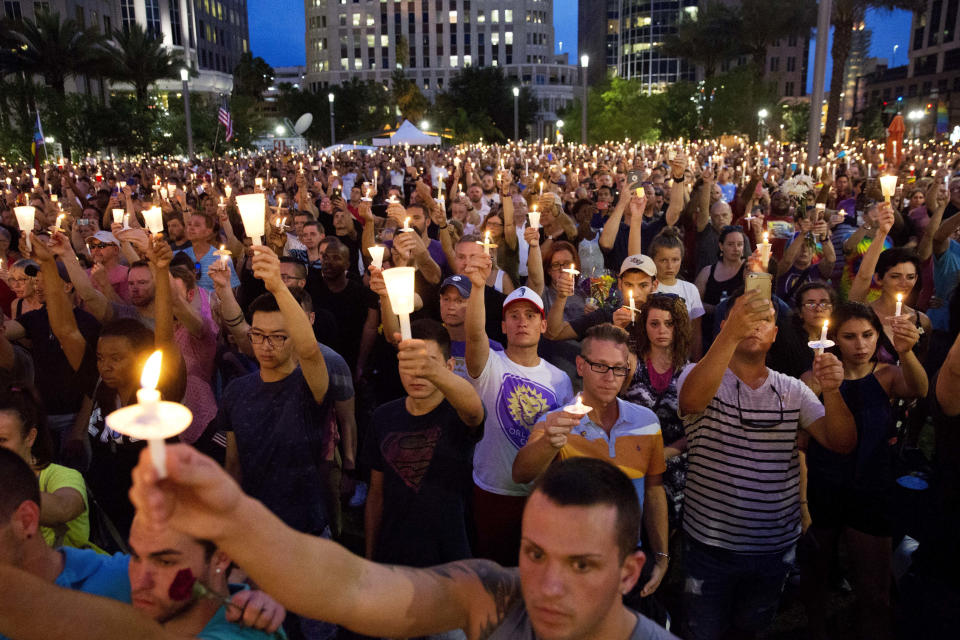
[407, 133]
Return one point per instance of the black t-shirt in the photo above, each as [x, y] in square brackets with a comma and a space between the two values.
[620, 251]
[426, 463]
[353, 244]
[59, 385]
[350, 308]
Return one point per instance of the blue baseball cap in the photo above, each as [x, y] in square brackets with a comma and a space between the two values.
[462, 283]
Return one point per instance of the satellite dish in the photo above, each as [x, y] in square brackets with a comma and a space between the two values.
[303, 123]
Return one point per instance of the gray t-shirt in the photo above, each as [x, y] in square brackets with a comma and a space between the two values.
[516, 626]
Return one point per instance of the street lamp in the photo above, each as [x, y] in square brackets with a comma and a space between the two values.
[584, 63]
[761, 116]
[333, 137]
[915, 116]
[560, 131]
[516, 113]
[185, 76]
[424, 125]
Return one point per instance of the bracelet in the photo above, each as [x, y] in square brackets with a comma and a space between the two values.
[235, 321]
[661, 554]
[803, 502]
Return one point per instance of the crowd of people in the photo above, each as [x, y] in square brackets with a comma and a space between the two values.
[645, 388]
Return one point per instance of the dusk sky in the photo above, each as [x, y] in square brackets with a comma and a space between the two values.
[277, 28]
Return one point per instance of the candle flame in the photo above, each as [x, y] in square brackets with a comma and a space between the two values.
[766, 237]
[151, 371]
[826, 323]
[222, 247]
[899, 297]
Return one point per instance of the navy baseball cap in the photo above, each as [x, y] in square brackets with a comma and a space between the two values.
[462, 283]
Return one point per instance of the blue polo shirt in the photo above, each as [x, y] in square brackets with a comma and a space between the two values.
[91, 572]
[205, 262]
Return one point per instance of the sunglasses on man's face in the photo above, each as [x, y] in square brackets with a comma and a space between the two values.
[99, 245]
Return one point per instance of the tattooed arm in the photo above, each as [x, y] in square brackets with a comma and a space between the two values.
[317, 578]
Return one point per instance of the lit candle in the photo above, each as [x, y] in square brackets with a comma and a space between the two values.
[252, 207]
[376, 252]
[56, 227]
[126, 221]
[25, 220]
[399, 282]
[406, 224]
[633, 308]
[151, 419]
[765, 250]
[534, 217]
[572, 270]
[224, 254]
[578, 408]
[153, 218]
[541, 187]
[823, 331]
[117, 215]
[899, 304]
[227, 190]
[258, 183]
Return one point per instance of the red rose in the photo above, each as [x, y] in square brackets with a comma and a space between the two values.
[182, 586]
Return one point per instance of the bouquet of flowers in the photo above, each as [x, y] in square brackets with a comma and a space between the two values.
[798, 188]
[599, 291]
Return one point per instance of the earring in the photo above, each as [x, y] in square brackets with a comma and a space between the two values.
[219, 570]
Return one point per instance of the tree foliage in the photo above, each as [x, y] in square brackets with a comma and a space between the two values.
[479, 103]
[141, 60]
[252, 76]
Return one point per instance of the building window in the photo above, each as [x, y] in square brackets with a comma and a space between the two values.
[176, 29]
[788, 89]
[12, 9]
[153, 18]
[453, 61]
[791, 64]
[774, 65]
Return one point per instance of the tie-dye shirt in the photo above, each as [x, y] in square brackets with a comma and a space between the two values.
[852, 265]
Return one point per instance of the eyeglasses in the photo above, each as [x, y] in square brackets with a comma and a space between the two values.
[99, 245]
[760, 424]
[818, 306]
[275, 341]
[20, 280]
[556, 266]
[599, 367]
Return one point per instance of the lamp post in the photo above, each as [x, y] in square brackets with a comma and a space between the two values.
[184, 77]
[333, 137]
[761, 116]
[516, 113]
[915, 116]
[584, 63]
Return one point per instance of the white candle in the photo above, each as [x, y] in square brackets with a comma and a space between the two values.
[572, 270]
[400, 282]
[632, 307]
[56, 227]
[25, 220]
[376, 252]
[224, 256]
[126, 221]
[578, 408]
[765, 250]
[117, 216]
[406, 224]
[541, 187]
[823, 331]
[227, 190]
[899, 304]
[151, 419]
[251, 208]
[534, 217]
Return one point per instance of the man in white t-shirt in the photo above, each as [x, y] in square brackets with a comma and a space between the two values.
[517, 387]
[741, 500]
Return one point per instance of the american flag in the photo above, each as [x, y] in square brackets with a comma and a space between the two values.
[224, 117]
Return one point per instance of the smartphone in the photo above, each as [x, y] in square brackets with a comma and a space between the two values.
[762, 282]
[634, 176]
[83, 222]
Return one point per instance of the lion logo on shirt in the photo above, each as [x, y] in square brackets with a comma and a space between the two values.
[520, 404]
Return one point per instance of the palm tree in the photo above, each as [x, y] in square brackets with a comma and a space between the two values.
[764, 22]
[141, 59]
[709, 39]
[52, 48]
[847, 14]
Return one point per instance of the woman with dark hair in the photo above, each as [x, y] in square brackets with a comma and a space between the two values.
[64, 517]
[849, 494]
[559, 256]
[720, 279]
[494, 225]
[659, 341]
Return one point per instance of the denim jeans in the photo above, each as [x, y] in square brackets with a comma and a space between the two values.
[725, 589]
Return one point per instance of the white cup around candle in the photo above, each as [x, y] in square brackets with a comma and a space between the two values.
[534, 217]
[399, 282]
[117, 215]
[252, 207]
[578, 408]
[26, 217]
[153, 217]
[888, 185]
[376, 252]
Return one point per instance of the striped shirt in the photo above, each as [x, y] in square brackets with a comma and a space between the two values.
[744, 466]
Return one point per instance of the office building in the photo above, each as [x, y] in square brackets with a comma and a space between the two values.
[432, 40]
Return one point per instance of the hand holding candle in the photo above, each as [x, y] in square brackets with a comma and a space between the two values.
[578, 408]
[823, 343]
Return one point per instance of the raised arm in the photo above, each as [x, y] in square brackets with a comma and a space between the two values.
[506, 202]
[391, 323]
[94, 301]
[868, 265]
[414, 360]
[612, 226]
[635, 238]
[535, 279]
[701, 384]
[266, 267]
[230, 310]
[929, 243]
[478, 345]
[317, 578]
[62, 321]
